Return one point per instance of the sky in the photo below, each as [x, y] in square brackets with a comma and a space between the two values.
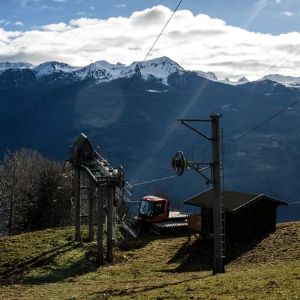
[231, 38]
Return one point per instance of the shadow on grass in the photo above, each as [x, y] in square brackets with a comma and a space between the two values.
[134, 291]
[15, 273]
[198, 256]
[84, 265]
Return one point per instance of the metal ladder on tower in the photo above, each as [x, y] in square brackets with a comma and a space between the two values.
[222, 212]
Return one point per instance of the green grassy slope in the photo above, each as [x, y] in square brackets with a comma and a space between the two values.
[49, 265]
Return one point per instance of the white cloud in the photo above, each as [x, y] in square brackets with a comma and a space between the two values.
[278, 1]
[288, 13]
[19, 23]
[197, 42]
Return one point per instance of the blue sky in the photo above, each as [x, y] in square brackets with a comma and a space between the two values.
[275, 16]
[232, 38]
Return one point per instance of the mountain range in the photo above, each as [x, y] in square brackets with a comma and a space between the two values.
[130, 113]
[103, 71]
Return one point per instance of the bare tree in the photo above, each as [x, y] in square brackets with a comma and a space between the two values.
[34, 194]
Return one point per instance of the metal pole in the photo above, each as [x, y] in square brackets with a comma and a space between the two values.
[100, 195]
[218, 205]
[77, 203]
[91, 212]
[110, 213]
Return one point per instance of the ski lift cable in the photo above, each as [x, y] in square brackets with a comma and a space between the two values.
[152, 180]
[146, 56]
[296, 50]
[254, 128]
[163, 29]
[275, 64]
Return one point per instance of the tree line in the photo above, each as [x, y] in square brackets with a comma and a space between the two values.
[35, 192]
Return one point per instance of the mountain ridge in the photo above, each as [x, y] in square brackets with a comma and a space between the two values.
[160, 68]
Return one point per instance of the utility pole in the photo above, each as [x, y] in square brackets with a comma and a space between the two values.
[218, 203]
[180, 164]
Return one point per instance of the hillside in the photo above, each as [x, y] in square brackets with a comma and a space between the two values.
[48, 265]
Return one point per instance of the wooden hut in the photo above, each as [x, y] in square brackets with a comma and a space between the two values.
[247, 216]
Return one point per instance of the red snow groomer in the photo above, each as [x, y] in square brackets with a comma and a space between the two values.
[154, 215]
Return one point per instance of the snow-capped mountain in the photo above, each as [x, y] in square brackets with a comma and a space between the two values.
[242, 80]
[14, 65]
[49, 68]
[100, 70]
[103, 71]
[160, 68]
[208, 75]
[288, 81]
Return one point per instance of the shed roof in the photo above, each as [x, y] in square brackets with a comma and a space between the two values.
[79, 143]
[233, 200]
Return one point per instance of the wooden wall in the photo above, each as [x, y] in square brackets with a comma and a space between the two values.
[255, 220]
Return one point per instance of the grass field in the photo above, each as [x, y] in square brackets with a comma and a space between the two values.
[49, 265]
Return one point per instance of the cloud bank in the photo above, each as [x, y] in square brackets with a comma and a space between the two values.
[196, 42]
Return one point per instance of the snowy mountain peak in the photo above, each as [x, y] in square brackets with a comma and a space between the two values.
[242, 80]
[48, 68]
[103, 64]
[163, 61]
[208, 75]
[160, 68]
[289, 81]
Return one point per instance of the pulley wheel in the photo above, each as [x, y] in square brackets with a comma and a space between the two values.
[179, 163]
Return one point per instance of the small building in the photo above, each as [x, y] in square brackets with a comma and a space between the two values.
[247, 216]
